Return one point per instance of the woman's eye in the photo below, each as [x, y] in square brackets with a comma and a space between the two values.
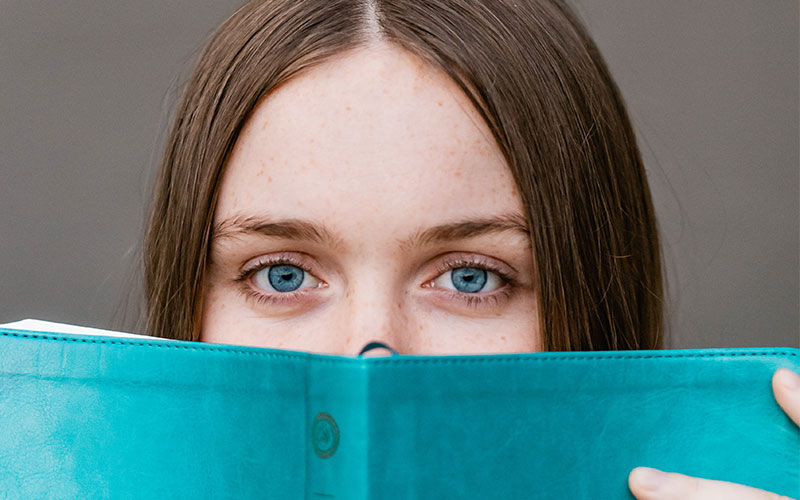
[469, 280]
[284, 278]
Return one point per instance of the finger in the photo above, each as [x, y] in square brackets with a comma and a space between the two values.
[652, 484]
[786, 386]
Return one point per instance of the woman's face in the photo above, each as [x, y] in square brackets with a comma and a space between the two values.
[364, 201]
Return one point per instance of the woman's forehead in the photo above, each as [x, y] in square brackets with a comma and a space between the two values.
[372, 137]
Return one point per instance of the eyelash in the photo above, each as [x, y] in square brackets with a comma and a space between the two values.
[470, 300]
[274, 299]
[473, 300]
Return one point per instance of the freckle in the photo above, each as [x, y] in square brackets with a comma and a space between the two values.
[502, 337]
[264, 125]
[347, 108]
[440, 103]
[269, 179]
[348, 339]
[458, 172]
[399, 305]
[299, 203]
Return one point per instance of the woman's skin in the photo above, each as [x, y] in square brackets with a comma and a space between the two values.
[375, 149]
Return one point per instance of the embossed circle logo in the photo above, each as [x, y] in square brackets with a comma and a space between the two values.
[325, 435]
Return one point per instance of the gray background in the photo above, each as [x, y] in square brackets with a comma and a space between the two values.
[87, 88]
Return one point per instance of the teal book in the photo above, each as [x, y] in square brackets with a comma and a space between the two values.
[97, 414]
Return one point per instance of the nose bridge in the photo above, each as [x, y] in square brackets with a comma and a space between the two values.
[373, 314]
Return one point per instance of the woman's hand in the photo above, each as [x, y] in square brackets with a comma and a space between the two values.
[652, 484]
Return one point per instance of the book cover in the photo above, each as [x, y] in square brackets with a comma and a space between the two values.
[100, 414]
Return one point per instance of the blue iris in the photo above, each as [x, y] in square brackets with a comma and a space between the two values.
[468, 279]
[285, 277]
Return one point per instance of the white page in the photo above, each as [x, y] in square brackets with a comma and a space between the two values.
[37, 325]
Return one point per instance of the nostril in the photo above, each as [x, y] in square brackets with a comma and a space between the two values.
[376, 345]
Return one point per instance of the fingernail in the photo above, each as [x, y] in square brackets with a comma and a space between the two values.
[789, 379]
[651, 479]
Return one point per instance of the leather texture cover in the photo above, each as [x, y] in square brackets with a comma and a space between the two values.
[85, 416]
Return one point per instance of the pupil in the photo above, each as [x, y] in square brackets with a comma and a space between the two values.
[285, 277]
[468, 279]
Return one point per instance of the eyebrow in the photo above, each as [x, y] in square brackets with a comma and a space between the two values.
[300, 229]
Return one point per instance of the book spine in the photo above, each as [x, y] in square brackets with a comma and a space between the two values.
[336, 430]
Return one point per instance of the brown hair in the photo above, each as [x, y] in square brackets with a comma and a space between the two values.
[543, 89]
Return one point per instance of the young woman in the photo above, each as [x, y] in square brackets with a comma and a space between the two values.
[446, 177]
